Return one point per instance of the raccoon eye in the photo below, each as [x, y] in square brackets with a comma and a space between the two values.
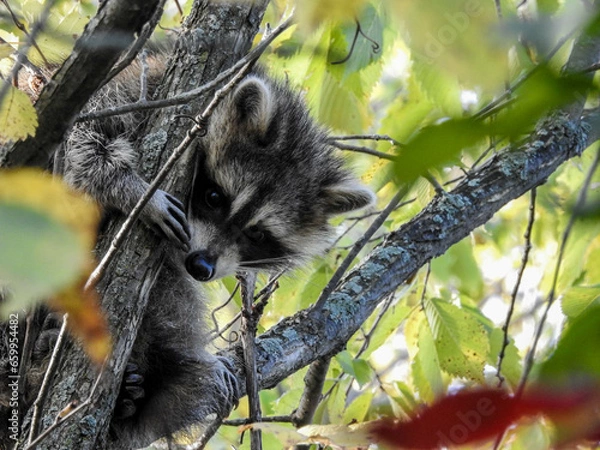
[213, 198]
[255, 234]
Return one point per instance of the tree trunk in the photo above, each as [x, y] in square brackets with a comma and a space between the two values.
[214, 36]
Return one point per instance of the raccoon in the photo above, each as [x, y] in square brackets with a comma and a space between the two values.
[266, 182]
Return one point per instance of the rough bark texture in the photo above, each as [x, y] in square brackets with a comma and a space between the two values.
[321, 332]
[214, 36]
[317, 333]
[114, 27]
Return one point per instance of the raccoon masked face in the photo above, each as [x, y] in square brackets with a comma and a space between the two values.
[265, 186]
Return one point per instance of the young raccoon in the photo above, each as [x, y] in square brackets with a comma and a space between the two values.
[265, 185]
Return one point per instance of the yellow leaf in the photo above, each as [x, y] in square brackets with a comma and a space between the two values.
[5, 50]
[48, 234]
[50, 196]
[18, 118]
[314, 12]
[347, 437]
[86, 319]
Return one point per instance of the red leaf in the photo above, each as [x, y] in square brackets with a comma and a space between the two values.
[482, 414]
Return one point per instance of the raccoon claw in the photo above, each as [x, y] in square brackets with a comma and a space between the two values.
[131, 391]
[165, 212]
[229, 385]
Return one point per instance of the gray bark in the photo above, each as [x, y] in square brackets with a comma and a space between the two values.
[114, 27]
[321, 332]
[214, 36]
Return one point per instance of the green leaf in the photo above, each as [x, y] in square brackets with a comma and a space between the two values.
[337, 401]
[459, 266]
[548, 6]
[532, 436]
[460, 40]
[577, 299]
[362, 371]
[427, 374]
[442, 89]
[315, 284]
[574, 260]
[345, 360]
[460, 340]
[38, 255]
[406, 399]
[407, 113]
[18, 118]
[387, 326]
[511, 363]
[358, 408]
[541, 92]
[364, 52]
[436, 146]
[339, 107]
[576, 353]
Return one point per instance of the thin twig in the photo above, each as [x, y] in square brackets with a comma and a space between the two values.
[196, 130]
[311, 396]
[261, 298]
[515, 291]
[30, 36]
[31, 330]
[22, 54]
[143, 75]
[504, 99]
[425, 282]
[240, 422]
[437, 187]
[339, 273]
[365, 150]
[135, 47]
[249, 329]
[60, 420]
[52, 366]
[313, 389]
[186, 97]
[270, 286]
[216, 331]
[209, 432]
[551, 295]
[365, 137]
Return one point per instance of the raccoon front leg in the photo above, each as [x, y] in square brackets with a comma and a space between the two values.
[190, 391]
[104, 168]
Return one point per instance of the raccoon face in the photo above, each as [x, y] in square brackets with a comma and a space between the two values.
[265, 186]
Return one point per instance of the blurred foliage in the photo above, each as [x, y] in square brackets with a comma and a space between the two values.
[432, 83]
[432, 80]
[48, 234]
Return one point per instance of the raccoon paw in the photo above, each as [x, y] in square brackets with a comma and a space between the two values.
[228, 386]
[131, 392]
[165, 214]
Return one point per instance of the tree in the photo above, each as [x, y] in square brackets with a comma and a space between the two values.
[533, 127]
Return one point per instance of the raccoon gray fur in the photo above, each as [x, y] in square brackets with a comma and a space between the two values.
[265, 185]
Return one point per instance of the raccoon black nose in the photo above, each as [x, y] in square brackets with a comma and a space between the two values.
[200, 265]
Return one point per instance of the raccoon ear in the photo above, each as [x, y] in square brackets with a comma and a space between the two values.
[254, 104]
[346, 196]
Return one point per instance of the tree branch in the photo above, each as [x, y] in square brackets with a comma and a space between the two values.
[201, 52]
[318, 333]
[107, 35]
